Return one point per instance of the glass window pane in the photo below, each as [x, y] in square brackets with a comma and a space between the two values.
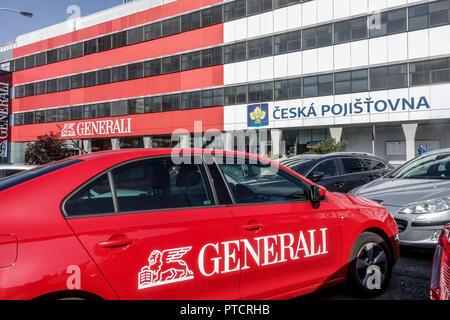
[396, 21]
[104, 110]
[152, 31]
[310, 87]
[52, 56]
[378, 25]
[397, 76]
[171, 26]
[211, 16]
[119, 39]
[90, 46]
[119, 73]
[135, 71]
[309, 38]
[378, 78]
[135, 35]
[76, 50]
[104, 43]
[325, 85]
[64, 53]
[64, 114]
[76, 113]
[324, 35]
[191, 21]
[76, 81]
[152, 68]
[439, 13]
[418, 17]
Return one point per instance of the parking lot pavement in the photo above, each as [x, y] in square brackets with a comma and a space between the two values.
[410, 280]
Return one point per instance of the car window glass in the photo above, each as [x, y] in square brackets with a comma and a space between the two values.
[433, 166]
[261, 183]
[95, 198]
[372, 164]
[353, 165]
[328, 167]
[160, 184]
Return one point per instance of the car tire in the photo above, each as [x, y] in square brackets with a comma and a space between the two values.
[370, 265]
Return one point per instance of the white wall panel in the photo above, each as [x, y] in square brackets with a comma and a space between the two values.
[358, 6]
[309, 13]
[325, 61]
[324, 10]
[375, 5]
[359, 53]
[341, 9]
[342, 56]
[378, 49]
[280, 66]
[266, 23]
[439, 40]
[241, 29]
[280, 19]
[310, 61]
[418, 44]
[229, 73]
[229, 31]
[253, 26]
[295, 63]
[397, 47]
[254, 70]
[294, 16]
[267, 68]
[241, 72]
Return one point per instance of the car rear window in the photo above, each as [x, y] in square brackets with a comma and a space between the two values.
[24, 176]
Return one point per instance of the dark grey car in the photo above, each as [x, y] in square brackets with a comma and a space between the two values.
[417, 195]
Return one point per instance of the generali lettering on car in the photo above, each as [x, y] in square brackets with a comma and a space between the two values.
[165, 267]
[99, 127]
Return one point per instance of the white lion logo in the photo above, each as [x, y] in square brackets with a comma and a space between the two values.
[165, 267]
[68, 130]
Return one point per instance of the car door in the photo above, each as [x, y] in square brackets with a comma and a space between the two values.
[355, 172]
[286, 242]
[332, 179]
[145, 222]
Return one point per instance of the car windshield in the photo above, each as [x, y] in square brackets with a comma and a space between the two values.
[433, 166]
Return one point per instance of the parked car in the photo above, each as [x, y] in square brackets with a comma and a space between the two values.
[142, 224]
[417, 194]
[339, 172]
[10, 169]
[440, 275]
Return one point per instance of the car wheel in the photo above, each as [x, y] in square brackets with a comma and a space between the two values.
[370, 265]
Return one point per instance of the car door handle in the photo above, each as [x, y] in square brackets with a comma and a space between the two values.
[252, 227]
[115, 242]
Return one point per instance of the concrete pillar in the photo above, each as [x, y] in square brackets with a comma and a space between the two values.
[336, 133]
[87, 145]
[277, 145]
[147, 142]
[115, 143]
[409, 130]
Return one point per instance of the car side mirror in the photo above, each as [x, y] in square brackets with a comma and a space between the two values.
[317, 194]
[316, 176]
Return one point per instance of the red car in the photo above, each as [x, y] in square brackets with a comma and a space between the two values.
[173, 224]
[440, 275]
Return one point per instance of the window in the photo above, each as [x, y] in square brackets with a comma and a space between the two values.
[388, 77]
[158, 184]
[104, 110]
[372, 164]
[171, 102]
[119, 39]
[19, 91]
[325, 85]
[418, 17]
[432, 71]
[64, 53]
[30, 61]
[119, 74]
[90, 111]
[329, 168]
[171, 64]
[119, 108]
[29, 90]
[235, 95]
[76, 81]
[350, 30]
[104, 43]
[52, 86]
[90, 46]
[76, 50]
[152, 31]
[40, 87]
[95, 198]
[378, 25]
[28, 118]
[64, 84]
[153, 104]
[51, 115]
[90, 79]
[190, 60]
[18, 119]
[254, 183]
[212, 98]
[259, 48]
[171, 26]
[39, 117]
[235, 52]
[317, 37]
[287, 42]
[396, 21]
[282, 3]
[19, 64]
[63, 114]
[288, 89]
[104, 76]
[211, 57]
[351, 81]
[211, 16]
[135, 35]
[260, 92]
[76, 113]
[41, 59]
[439, 13]
[257, 6]
[152, 68]
[136, 106]
[234, 10]
[191, 21]
[352, 165]
[135, 71]
[191, 100]
[52, 56]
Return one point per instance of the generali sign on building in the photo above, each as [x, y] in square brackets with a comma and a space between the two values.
[4, 123]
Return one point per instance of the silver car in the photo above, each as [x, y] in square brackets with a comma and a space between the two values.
[10, 169]
[417, 195]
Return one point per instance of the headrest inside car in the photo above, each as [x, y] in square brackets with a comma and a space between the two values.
[160, 178]
[188, 176]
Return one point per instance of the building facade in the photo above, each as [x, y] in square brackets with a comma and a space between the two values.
[375, 73]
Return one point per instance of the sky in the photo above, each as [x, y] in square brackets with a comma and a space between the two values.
[45, 13]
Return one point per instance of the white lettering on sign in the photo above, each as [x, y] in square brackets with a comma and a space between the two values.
[4, 119]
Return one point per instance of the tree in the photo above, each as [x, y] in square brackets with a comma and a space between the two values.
[329, 145]
[46, 149]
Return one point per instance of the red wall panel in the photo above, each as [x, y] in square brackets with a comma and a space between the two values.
[191, 40]
[146, 124]
[180, 81]
[174, 8]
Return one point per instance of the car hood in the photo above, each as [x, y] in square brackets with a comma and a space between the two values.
[398, 192]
